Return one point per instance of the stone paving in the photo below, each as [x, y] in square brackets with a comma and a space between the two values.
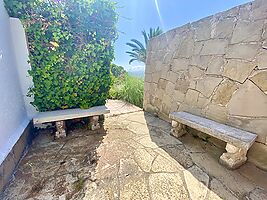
[132, 157]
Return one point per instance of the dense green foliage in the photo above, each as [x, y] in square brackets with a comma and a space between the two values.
[117, 71]
[129, 88]
[138, 51]
[71, 50]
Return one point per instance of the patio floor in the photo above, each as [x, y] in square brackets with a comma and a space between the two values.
[133, 157]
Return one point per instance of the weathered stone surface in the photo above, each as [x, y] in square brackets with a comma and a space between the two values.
[195, 72]
[261, 59]
[224, 92]
[256, 125]
[247, 31]
[214, 47]
[216, 112]
[259, 9]
[202, 29]
[217, 60]
[197, 183]
[257, 194]
[180, 64]
[254, 101]
[234, 157]
[178, 96]
[191, 97]
[224, 28]
[59, 115]
[245, 52]
[162, 84]
[234, 136]
[219, 191]
[260, 79]
[167, 186]
[238, 70]
[170, 88]
[182, 82]
[258, 155]
[116, 163]
[185, 49]
[207, 85]
[215, 65]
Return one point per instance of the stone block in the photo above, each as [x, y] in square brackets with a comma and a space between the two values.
[195, 72]
[207, 85]
[202, 29]
[201, 62]
[180, 64]
[162, 84]
[191, 97]
[257, 126]
[172, 76]
[170, 88]
[260, 79]
[185, 49]
[224, 28]
[259, 10]
[215, 65]
[148, 77]
[246, 52]
[182, 82]
[261, 59]
[248, 101]
[238, 70]
[202, 101]
[247, 31]
[216, 112]
[197, 48]
[214, 47]
[224, 92]
[178, 96]
[258, 155]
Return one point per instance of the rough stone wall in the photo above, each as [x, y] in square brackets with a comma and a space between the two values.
[216, 68]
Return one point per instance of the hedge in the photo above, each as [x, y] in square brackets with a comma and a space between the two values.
[71, 49]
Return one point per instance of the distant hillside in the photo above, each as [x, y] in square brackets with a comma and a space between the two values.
[138, 71]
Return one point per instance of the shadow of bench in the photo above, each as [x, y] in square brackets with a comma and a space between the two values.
[238, 141]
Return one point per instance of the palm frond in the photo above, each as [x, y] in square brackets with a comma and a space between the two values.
[138, 43]
[138, 50]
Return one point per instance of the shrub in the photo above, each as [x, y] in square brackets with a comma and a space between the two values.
[71, 50]
[129, 88]
[117, 71]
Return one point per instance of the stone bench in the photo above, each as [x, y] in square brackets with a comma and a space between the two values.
[238, 141]
[59, 117]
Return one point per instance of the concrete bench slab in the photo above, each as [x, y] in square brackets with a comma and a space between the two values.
[59, 116]
[238, 141]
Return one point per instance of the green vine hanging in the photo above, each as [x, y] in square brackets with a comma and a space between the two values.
[71, 49]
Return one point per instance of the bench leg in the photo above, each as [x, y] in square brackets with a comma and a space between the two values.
[178, 129]
[61, 129]
[94, 123]
[234, 158]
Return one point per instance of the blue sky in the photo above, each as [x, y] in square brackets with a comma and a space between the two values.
[138, 15]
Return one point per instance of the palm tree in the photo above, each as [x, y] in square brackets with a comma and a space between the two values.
[138, 52]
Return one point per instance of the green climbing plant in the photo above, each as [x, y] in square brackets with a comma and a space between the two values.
[70, 50]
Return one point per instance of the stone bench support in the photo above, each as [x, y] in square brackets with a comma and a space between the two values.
[94, 123]
[178, 129]
[61, 129]
[234, 157]
[238, 141]
[60, 116]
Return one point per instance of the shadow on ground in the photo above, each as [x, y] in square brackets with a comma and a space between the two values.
[54, 169]
[133, 158]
